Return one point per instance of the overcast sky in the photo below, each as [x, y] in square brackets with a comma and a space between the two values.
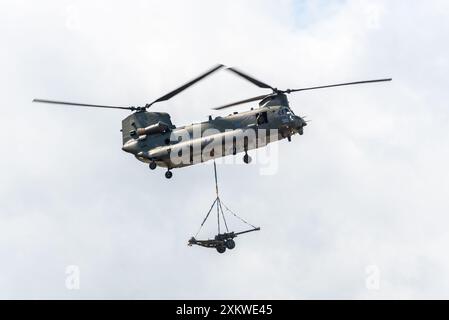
[365, 187]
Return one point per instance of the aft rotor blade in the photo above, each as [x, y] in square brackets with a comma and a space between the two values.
[251, 79]
[241, 102]
[338, 85]
[185, 86]
[82, 104]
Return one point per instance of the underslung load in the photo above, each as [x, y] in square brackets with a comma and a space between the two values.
[225, 240]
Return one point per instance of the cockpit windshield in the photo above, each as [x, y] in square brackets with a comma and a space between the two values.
[286, 112]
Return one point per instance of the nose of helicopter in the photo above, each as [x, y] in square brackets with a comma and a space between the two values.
[300, 122]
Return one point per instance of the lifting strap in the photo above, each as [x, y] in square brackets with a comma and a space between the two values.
[219, 204]
[207, 216]
[235, 215]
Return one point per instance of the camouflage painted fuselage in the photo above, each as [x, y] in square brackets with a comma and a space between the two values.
[151, 136]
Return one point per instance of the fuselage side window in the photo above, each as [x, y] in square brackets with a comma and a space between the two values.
[262, 118]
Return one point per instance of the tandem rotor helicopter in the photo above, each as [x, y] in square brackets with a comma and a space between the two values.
[149, 135]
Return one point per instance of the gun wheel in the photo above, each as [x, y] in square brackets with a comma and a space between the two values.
[221, 249]
[230, 244]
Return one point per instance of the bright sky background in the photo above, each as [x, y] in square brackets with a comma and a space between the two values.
[367, 184]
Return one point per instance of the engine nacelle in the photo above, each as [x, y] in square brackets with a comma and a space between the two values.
[159, 127]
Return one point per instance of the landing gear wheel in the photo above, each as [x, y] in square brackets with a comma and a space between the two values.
[246, 158]
[168, 174]
[221, 249]
[153, 165]
[230, 244]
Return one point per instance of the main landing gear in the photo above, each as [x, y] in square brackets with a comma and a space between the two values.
[168, 174]
[246, 158]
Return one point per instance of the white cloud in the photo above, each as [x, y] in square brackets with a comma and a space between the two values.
[366, 184]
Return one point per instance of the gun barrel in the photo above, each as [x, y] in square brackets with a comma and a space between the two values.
[251, 230]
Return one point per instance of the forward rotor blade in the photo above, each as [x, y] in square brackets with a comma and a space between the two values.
[241, 102]
[185, 86]
[338, 85]
[251, 79]
[82, 104]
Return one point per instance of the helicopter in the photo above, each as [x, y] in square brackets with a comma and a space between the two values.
[153, 139]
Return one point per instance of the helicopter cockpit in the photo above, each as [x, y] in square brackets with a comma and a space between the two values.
[286, 112]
